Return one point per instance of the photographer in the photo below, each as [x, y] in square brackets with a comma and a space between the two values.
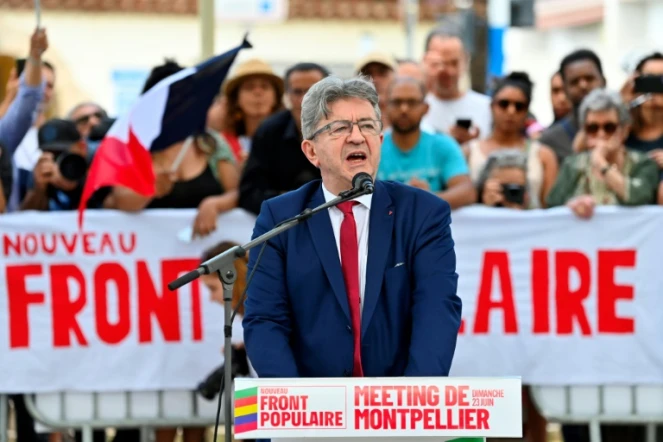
[647, 131]
[58, 178]
[503, 180]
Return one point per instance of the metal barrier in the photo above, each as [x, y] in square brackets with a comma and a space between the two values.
[598, 405]
[144, 410]
[4, 417]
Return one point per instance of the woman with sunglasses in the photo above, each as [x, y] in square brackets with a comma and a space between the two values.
[509, 108]
[605, 171]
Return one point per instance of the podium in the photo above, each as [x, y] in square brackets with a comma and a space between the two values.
[391, 409]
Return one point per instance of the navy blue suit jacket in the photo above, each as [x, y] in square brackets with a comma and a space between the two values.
[297, 320]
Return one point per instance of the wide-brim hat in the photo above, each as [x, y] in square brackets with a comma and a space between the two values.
[382, 58]
[248, 69]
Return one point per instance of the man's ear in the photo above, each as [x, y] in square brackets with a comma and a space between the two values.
[308, 147]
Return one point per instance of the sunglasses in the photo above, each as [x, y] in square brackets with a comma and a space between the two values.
[85, 118]
[519, 105]
[608, 128]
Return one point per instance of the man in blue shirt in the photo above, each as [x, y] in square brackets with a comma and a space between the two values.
[432, 162]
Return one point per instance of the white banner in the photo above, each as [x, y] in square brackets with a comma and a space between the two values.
[546, 296]
[400, 408]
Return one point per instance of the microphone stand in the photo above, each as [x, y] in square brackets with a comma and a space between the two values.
[223, 265]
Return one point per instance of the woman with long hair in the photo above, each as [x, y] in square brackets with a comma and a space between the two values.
[509, 108]
[253, 93]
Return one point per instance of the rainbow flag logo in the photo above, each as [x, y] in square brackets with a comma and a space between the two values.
[246, 410]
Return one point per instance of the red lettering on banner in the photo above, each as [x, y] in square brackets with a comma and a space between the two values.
[69, 245]
[495, 261]
[361, 395]
[164, 307]
[88, 243]
[64, 309]
[105, 274]
[397, 395]
[18, 300]
[30, 244]
[456, 395]
[570, 302]
[106, 243]
[540, 281]
[49, 249]
[171, 269]
[289, 419]
[418, 418]
[609, 292]
[128, 249]
[67, 286]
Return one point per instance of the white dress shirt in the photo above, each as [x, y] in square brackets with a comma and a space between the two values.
[361, 212]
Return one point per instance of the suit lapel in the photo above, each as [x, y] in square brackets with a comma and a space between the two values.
[381, 223]
[324, 242]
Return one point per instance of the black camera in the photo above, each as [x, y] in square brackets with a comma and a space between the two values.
[73, 167]
[214, 382]
[514, 193]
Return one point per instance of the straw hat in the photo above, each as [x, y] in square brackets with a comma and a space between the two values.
[249, 68]
[382, 58]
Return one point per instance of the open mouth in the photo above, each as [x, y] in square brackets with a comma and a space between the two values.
[356, 157]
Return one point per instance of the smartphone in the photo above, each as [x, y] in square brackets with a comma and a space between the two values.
[20, 65]
[465, 123]
[649, 84]
[514, 193]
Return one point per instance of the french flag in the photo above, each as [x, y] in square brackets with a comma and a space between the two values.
[168, 113]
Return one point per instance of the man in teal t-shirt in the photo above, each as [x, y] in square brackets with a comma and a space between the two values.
[432, 162]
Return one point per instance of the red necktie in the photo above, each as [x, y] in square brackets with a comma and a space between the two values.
[350, 267]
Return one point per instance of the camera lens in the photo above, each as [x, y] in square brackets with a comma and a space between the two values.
[72, 166]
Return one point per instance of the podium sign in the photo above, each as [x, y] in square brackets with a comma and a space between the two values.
[446, 408]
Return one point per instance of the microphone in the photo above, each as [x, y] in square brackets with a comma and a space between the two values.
[362, 184]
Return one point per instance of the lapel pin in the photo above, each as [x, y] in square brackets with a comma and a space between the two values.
[390, 212]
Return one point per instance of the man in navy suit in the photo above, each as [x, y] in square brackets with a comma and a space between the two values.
[364, 289]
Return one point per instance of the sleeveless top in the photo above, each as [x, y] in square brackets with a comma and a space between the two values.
[477, 160]
[189, 194]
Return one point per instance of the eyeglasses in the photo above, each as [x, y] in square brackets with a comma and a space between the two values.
[85, 118]
[608, 128]
[519, 105]
[344, 128]
[409, 103]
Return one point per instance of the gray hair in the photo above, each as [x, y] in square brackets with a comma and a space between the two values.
[315, 105]
[71, 113]
[502, 159]
[600, 100]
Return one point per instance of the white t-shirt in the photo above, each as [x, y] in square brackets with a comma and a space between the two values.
[442, 114]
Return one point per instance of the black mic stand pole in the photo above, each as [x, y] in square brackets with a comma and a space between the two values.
[224, 266]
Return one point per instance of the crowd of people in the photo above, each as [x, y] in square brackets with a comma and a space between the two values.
[604, 147]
